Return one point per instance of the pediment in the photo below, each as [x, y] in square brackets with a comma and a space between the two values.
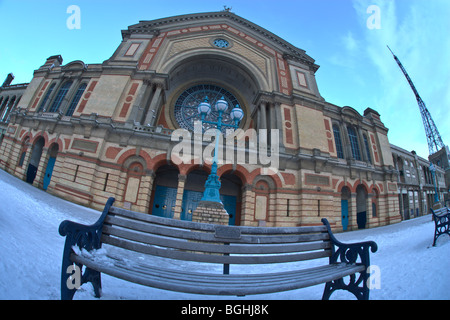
[351, 113]
[77, 65]
[239, 26]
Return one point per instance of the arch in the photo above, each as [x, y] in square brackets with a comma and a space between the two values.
[42, 135]
[248, 67]
[375, 198]
[135, 168]
[360, 183]
[361, 206]
[24, 149]
[36, 153]
[52, 154]
[132, 152]
[344, 184]
[231, 195]
[57, 141]
[345, 206]
[222, 69]
[239, 171]
[164, 192]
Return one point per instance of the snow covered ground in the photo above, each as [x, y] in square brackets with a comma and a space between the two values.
[31, 249]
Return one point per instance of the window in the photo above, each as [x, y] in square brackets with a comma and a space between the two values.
[366, 144]
[338, 141]
[47, 95]
[76, 99]
[356, 154]
[185, 109]
[60, 96]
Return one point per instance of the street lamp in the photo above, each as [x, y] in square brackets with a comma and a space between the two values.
[212, 185]
[433, 174]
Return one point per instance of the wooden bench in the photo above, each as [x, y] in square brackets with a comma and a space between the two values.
[441, 219]
[139, 235]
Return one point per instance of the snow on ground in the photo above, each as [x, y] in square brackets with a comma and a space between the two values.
[31, 250]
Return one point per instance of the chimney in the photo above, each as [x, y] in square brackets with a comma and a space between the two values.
[8, 80]
[53, 61]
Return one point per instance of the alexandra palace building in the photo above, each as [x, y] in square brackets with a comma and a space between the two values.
[88, 132]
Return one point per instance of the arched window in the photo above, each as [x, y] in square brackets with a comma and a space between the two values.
[4, 104]
[338, 141]
[366, 144]
[76, 99]
[47, 95]
[60, 96]
[356, 154]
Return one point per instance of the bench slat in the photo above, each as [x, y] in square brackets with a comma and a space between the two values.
[223, 284]
[211, 227]
[254, 238]
[209, 247]
[213, 258]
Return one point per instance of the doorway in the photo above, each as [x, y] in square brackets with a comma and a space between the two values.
[345, 198]
[361, 207]
[53, 153]
[36, 153]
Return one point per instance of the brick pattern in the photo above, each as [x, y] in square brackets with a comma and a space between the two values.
[210, 212]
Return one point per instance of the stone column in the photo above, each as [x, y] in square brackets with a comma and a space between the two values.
[138, 109]
[179, 200]
[150, 118]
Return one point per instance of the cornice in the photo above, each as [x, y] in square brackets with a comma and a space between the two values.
[155, 27]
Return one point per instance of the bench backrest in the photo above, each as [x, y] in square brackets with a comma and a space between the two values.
[440, 212]
[192, 241]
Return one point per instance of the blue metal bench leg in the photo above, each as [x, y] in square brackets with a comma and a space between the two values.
[94, 277]
[357, 286]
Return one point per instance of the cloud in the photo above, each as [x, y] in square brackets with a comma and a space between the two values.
[350, 43]
[417, 32]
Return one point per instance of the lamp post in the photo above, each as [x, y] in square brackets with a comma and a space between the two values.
[212, 185]
[433, 174]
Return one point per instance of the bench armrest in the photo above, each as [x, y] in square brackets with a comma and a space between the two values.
[84, 236]
[349, 253]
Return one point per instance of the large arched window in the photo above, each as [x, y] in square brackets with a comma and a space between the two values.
[356, 153]
[47, 95]
[185, 110]
[367, 146]
[60, 96]
[76, 99]
[338, 141]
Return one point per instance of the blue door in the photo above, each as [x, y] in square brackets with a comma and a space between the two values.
[229, 203]
[49, 172]
[190, 203]
[344, 214]
[164, 201]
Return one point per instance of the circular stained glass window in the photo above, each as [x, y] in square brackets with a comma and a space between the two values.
[186, 112]
[221, 43]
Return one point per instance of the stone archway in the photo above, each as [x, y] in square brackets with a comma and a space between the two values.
[52, 154]
[345, 207]
[36, 153]
[361, 206]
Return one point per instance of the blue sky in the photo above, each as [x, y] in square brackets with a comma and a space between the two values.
[356, 68]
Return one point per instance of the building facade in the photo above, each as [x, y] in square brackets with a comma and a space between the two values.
[417, 184]
[88, 132]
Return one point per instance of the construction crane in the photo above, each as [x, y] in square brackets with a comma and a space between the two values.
[433, 137]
